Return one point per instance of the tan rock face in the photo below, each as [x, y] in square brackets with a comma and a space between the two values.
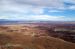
[28, 37]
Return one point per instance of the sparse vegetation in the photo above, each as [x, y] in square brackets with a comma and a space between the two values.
[36, 37]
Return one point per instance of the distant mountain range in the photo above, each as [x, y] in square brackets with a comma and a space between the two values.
[6, 21]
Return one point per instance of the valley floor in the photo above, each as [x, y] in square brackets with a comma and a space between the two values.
[31, 37]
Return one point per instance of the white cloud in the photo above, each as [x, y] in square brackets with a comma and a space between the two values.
[4, 17]
[71, 4]
[70, 1]
[46, 17]
[34, 7]
[34, 17]
[55, 11]
[46, 3]
[72, 7]
[29, 6]
[37, 10]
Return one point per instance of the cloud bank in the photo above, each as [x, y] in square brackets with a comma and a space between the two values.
[24, 9]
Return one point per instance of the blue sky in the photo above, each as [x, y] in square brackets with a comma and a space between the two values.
[49, 10]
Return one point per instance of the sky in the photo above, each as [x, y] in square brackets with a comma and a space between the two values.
[45, 10]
